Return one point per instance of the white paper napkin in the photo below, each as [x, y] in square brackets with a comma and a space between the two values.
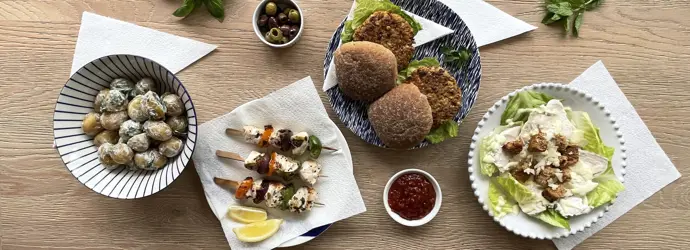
[648, 168]
[487, 24]
[299, 108]
[101, 36]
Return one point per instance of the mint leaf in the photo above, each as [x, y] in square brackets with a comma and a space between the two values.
[593, 4]
[562, 9]
[568, 24]
[215, 7]
[578, 23]
[187, 7]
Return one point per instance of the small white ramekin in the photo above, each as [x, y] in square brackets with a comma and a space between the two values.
[255, 23]
[425, 219]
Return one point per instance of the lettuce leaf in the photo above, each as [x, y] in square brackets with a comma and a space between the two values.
[609, 185]
[605, 192]
[348, 32]
[521, 101]
[499, 204]
[446, 130]
[365, 8]
[553, 218]
[487, 168]
[414, 65]
[514, 189]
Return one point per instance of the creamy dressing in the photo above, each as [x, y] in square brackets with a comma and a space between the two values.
[537, 204]
[572, 206]
[550, 119]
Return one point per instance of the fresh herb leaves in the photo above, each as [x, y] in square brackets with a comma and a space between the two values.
[215, 7]
[568, 12]
[457, 57]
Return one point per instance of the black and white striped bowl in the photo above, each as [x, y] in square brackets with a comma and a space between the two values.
[354, 113]
[77, 150]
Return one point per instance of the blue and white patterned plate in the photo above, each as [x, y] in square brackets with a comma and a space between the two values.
[77, 150]
[354, 113]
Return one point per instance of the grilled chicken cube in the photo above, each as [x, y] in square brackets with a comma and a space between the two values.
[252, 134]
[309, 172]
[300, 143]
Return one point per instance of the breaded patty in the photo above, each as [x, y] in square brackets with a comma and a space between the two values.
[445, 97]
[391, 31]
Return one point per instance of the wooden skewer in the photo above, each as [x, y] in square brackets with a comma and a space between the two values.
[229, 155]
[236, 132]
[233, 185]
[318, 204]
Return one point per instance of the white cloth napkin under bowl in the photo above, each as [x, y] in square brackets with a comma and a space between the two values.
[101, 36]
[299, 108]
[487, 23]
[648, 168]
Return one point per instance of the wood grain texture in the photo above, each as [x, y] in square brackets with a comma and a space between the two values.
[644, 44]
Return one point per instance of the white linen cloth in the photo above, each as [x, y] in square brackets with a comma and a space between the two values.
[648, 168]
[299, 108]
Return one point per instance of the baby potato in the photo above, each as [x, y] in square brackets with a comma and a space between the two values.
[144, 85]
[136, 110]
[104, 156]
[121, 153]
[123, 85]
[139, 143]
[91, 125]
[170, 148]
[149, 160]
[113, 120]
[109, 136]
[99, 99]
[173, 104]
[178, 124]
[128, 129]
[157, 130]
[114, 101]
[152, 104]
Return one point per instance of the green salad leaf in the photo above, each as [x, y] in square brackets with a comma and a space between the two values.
[514, 188]
[365, 8]
[447, 130]
[605, 192]
[517, 105]
[499, 203]
[552, 217]
[487, 168]
[609, 185]
[414, 65]
[348, 32]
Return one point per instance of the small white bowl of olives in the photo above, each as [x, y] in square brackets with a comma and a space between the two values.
[278, 23]
[124, 126]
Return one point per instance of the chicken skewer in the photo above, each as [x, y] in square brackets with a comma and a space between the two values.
[282, 139]
[274, 193]
[274, 163]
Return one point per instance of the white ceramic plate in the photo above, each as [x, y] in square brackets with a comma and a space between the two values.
[520, 223]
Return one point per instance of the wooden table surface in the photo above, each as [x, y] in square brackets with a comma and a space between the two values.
[644, 44]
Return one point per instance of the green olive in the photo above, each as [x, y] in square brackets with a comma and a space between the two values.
[293, 15]
[314, 147]
[275, 35]
[271, 8]
[287, 10]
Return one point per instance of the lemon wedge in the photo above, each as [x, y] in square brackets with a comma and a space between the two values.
[257, 231]
[247, 214]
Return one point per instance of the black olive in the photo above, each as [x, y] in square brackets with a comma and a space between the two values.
[282, 18]
[285, 29]
[294, 29]
[263, 20]
[272, 22]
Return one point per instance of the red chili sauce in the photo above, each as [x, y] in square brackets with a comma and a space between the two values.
[412, 196]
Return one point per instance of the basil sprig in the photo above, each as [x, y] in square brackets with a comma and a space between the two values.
[214, 7]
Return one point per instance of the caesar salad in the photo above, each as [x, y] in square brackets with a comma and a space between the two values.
[547, 161]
